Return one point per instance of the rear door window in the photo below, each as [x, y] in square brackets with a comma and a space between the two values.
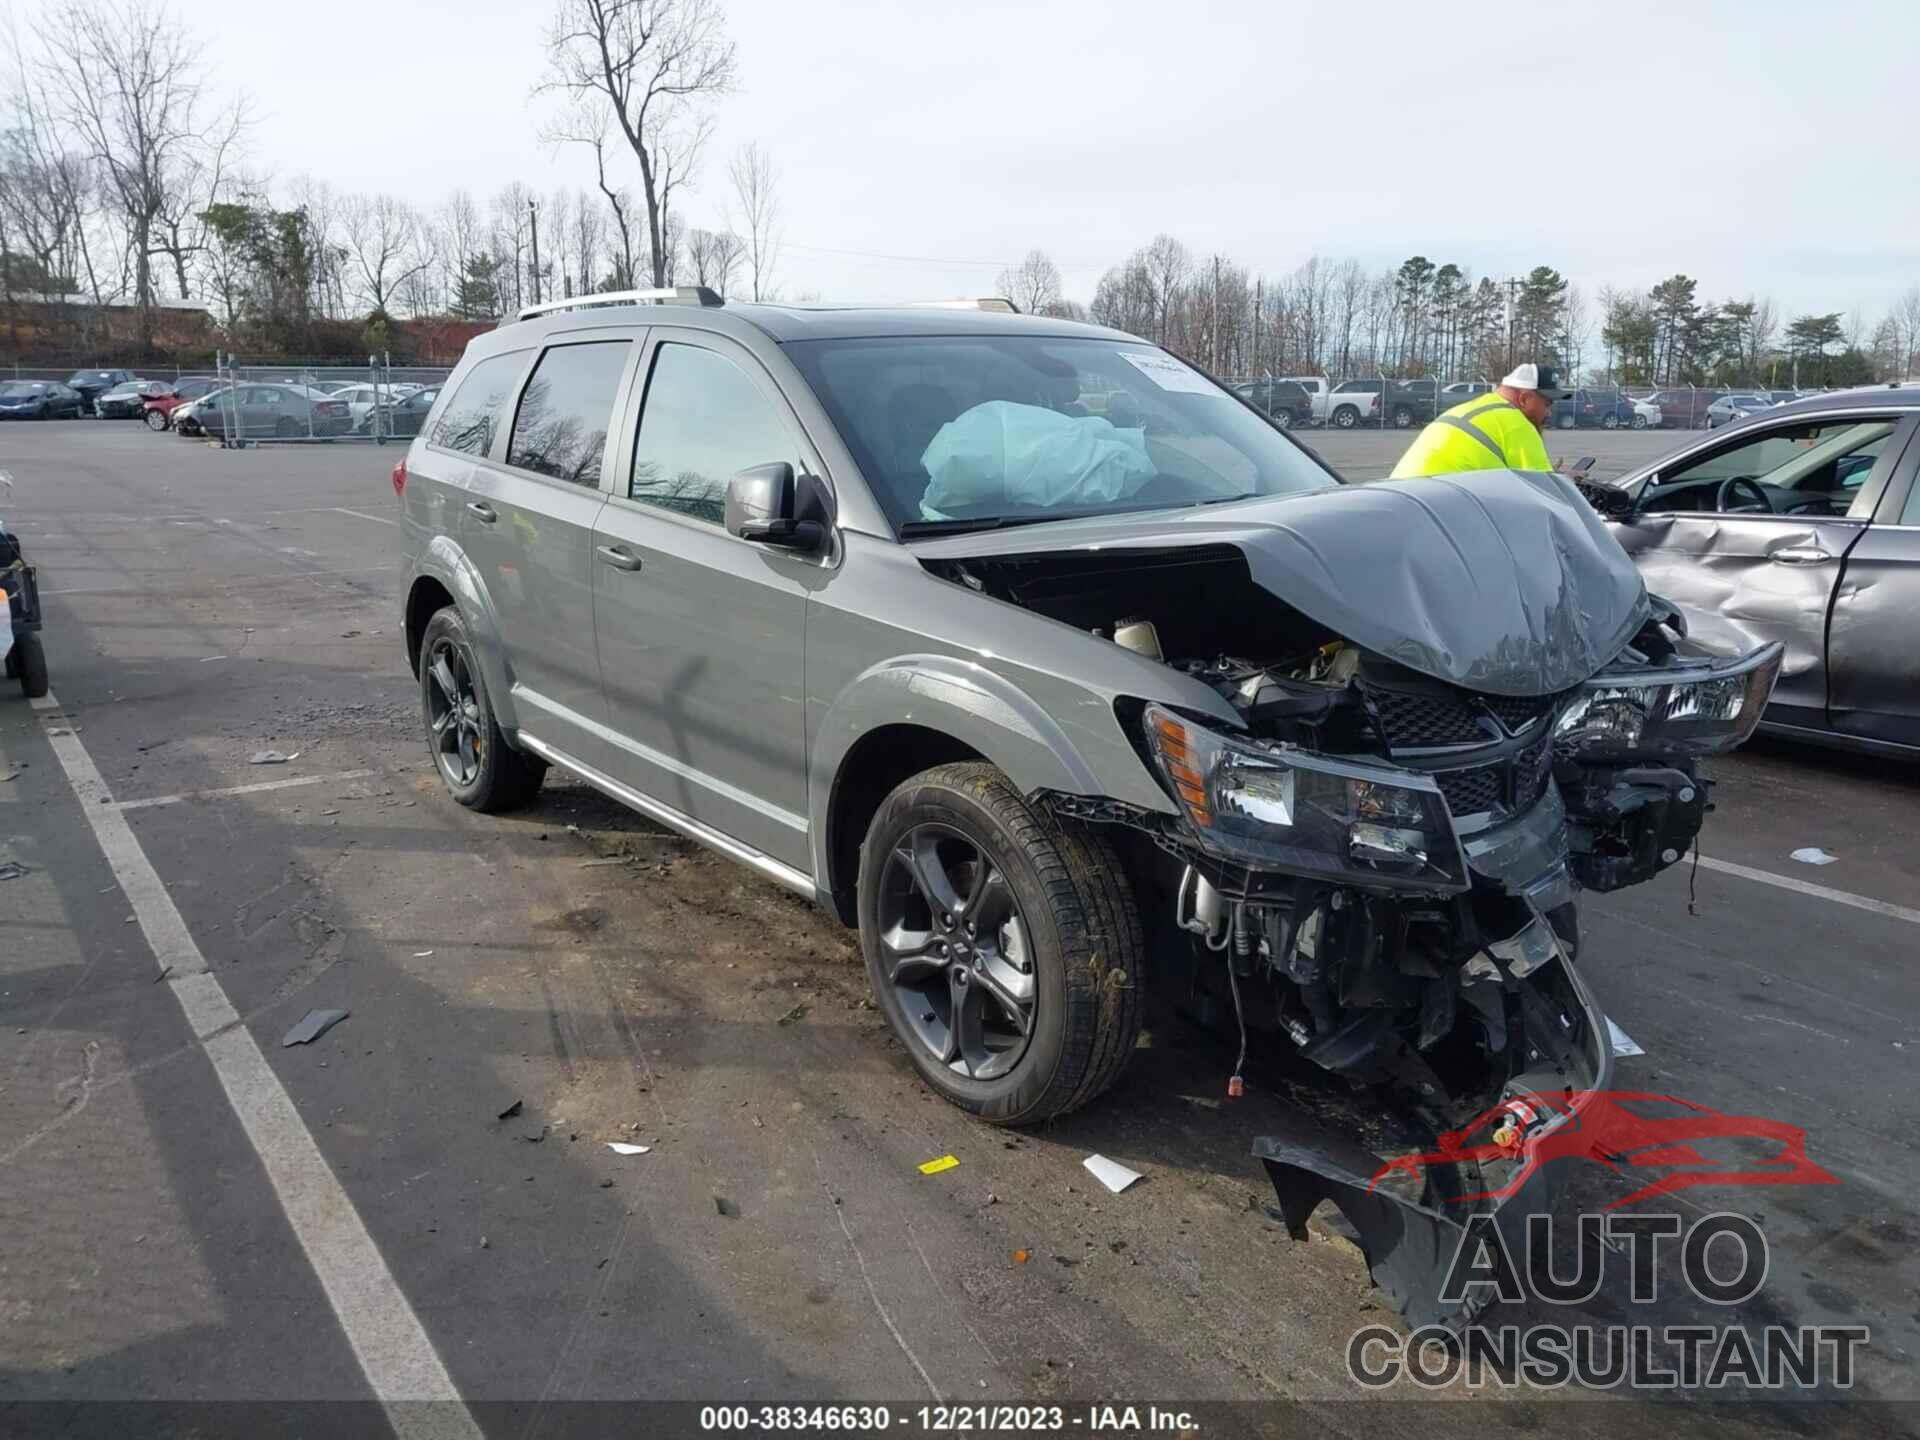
[478, 407]
[561, 427]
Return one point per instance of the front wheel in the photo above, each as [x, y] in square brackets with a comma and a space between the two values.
[1346, 417]
[29, 662]
[1005, 948]
[1565, 422]
[156, 420]
[1284, 419]
[1612, 422]
[1639, 422]
[1402, 418]
[481, 770]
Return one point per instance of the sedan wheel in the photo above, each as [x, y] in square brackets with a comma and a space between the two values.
[1612, 422]
[156, 420]
[482, 771]
[1639, 422]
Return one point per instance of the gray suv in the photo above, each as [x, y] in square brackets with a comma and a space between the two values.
[1055, 668]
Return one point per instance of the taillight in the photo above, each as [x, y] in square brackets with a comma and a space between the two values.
[400, 478]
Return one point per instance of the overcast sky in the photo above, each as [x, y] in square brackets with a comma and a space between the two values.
[1758, 146]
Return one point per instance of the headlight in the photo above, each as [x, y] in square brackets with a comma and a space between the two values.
[1688, 710]
[1307, 814]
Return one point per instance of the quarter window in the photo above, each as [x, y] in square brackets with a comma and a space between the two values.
[704, 422]
[472, 419]
[566, 410]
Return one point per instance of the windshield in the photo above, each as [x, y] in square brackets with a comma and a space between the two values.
[958, 430]
[16, 388]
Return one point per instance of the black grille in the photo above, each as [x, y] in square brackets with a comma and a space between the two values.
[1412, 721]
[1508, 787]
[1471, 791]
[1415, 720]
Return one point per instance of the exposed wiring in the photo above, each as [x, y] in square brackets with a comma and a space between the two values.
[1242, 946]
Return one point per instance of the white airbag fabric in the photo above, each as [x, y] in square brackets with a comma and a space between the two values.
[1001, 456]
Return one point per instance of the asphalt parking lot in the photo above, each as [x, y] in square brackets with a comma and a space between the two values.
[524, 990]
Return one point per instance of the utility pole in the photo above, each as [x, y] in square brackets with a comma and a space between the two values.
[533, 214]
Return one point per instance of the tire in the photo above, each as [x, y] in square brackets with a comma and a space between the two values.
[30, 664]
[481, 771]
[1284, 419]
[1612, 422]
[1346, 417]
[1071, 922]
[1565, 422]
[1639, 422]
[1402, 418]
[156, 421]
[286, 429]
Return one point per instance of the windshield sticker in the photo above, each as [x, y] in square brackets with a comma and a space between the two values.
[1169, 374]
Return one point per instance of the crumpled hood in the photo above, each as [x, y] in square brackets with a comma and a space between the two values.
[1500, 581]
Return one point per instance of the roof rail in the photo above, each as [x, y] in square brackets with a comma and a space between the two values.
[677, 295]
[999, 303]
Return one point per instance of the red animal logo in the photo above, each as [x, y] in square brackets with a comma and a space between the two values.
[1627, 1131]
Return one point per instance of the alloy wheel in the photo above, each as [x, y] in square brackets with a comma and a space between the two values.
[456, 725]
[957, 952]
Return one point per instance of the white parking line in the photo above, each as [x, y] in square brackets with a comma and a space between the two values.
[398, 1359]
[252, 789]
[361, 515]
[1821, 892]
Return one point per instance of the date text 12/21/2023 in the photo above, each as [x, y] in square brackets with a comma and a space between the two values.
[940, 1419]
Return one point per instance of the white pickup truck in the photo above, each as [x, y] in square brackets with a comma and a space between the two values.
[1350, 403]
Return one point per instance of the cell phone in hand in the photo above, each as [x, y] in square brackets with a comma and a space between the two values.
[1580, 466]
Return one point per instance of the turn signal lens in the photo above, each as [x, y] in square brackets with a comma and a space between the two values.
[400, 478]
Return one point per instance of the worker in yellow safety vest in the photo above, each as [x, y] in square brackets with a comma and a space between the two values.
[1500, 431]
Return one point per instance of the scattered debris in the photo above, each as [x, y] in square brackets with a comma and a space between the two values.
[10, 775]
[621, 1148]
[205, 658]
[315, 1024]
[1114, 1176]
[726, 1207]
[1813, 855]
[1067, 1260]
[483, 1243]
[1623, 1043]
[511, 1110]
[1020, 1257]
[606, 1184]
[597, 864]
[271, 757]
[934, 1167]
[799, 1012]
[421, 954]
[11, 870]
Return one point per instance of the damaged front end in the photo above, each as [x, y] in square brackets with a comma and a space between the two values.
[1378, 867]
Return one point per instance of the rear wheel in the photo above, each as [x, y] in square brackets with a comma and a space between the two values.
[29, 661]
[287, 428]
[1284, 419]
[1402, 418]
[1612, 422]
[1639, 422]
[1565, 422]
[481, 770]
[1004, 947]
[1346, 417]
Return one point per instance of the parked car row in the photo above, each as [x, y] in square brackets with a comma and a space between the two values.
[285, 410]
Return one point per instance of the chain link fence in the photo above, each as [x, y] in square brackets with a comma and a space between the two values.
[291, 403]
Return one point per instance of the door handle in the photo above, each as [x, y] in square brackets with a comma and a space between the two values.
[618, 558]
[1800, 555]
[485, 511]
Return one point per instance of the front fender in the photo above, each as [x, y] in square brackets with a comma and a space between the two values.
[443, 560]
[992, 716]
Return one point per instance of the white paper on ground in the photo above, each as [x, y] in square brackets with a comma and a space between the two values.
[1115, 1177]
[620, 1149]
[1623, 1043]
[1813, 855]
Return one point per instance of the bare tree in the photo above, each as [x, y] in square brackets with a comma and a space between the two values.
[713, 256]
[128, 82]
[1033, 284]
[586, 124]
[384, 247]
[755, 190]
[460, 238]
[1167, 265]
[1907, 317]
[654, 62]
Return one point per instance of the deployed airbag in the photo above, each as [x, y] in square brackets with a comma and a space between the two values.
[1003, 454]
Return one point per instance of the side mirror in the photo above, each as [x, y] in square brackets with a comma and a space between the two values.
[770, 505]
